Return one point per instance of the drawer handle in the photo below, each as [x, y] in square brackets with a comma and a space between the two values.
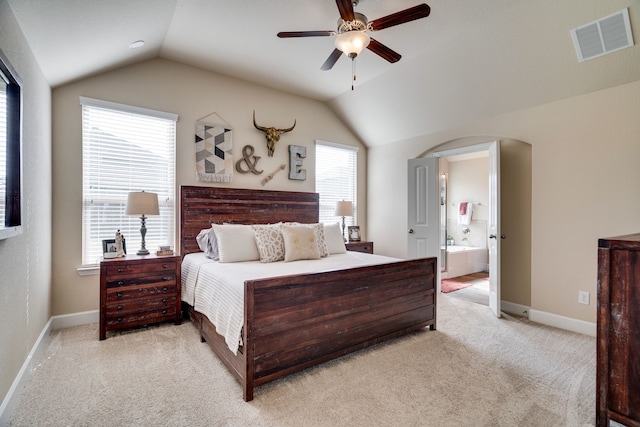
[119, 295]
[165, 290]
[120, 283]
[166, 278]
[120, 270]
[165, 266]
[119, 320]
[164, 311]
[119, 307]
[164, 300]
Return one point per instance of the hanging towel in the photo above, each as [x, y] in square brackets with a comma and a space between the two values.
[465, 218]
[463, 208]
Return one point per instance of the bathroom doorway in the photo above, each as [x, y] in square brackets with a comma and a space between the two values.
[464, 211]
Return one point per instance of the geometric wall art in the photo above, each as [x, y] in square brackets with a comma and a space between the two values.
[214, 159]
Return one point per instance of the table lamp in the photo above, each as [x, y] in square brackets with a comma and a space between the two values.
[142, 203]
[344, 208]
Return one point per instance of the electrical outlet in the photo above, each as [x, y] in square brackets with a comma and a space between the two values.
[583, 297]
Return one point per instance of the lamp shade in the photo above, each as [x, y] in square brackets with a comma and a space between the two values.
[352, 42]
[344, 208]
[142, 203]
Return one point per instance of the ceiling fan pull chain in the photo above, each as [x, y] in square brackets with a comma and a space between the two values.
[353, 71]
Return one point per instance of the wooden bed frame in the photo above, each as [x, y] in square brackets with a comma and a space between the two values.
[295, 322]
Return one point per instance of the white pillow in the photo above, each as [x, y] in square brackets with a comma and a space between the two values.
[236, 242]
[208, 243]
[299, 243]
[269, 241]
[334, 239]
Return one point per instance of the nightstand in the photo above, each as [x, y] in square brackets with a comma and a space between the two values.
[139, 290]
[366, 247]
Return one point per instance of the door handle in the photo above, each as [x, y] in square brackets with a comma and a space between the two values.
[410, 230]
[493, 236]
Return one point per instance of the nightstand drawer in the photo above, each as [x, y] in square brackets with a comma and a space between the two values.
[166, 279]
[366, 247]
[137, 292]
[124, 307]
[140, 318]
[128, 269]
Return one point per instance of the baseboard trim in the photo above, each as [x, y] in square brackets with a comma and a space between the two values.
[562, 322]
[75, 319]
[10, 401]
[513, 308]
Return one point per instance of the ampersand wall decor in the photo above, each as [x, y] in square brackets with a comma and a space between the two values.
[249, 159]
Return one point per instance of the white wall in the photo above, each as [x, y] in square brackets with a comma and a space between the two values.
[585, 172]
[191, 93]
[25, 260]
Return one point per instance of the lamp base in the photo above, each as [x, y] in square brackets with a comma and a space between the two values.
[143, 252]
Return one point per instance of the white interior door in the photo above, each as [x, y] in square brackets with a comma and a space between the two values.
[494, 228]
[424, 209]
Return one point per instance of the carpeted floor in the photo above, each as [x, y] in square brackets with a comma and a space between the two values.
[475, 370]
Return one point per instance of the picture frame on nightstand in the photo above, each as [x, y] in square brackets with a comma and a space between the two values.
[354, 233]
[109, 245]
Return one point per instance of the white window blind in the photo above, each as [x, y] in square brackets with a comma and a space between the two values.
[3, 147]
[336, 179]
[125, 149]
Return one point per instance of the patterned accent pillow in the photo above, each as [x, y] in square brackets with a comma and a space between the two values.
[322, 244]
[299, 243]
[269, 241]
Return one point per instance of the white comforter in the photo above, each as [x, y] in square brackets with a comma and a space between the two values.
[217, 289]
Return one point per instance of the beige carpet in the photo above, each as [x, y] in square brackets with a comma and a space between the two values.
[475, 370]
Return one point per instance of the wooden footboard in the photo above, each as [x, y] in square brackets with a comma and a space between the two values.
[294, 322]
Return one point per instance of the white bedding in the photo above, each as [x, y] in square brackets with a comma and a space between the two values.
[217, 289]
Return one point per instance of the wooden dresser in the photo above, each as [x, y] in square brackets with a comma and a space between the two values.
[618, 341]
[139, 290]
[366, 247]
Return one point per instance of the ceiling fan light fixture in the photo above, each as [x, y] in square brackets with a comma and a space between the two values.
[351, 43]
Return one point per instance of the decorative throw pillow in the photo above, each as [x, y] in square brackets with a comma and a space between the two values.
[269, 241]
[236, 242]
[208, 243]
[319, 229]
[334, 239]
[299, 243]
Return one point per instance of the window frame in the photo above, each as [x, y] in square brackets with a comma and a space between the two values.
[112, 203]
[328, 202]
[12, 200]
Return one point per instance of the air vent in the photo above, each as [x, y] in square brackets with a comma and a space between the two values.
[603, 36]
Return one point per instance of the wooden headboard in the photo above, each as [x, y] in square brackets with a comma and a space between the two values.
[202, 206]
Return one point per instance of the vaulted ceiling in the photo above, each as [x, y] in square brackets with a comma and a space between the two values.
[467, 61]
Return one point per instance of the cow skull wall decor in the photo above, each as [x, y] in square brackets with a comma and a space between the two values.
[272, 134]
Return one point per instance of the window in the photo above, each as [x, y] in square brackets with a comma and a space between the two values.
[10, 150]
[336, 179]
[125, 149]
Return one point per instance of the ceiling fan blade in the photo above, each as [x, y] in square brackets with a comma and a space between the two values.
[346, 9]
[383, 51]
[407, 15]
[287, 34]
[331, 60]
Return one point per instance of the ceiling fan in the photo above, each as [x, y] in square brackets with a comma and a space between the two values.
[351, 34]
